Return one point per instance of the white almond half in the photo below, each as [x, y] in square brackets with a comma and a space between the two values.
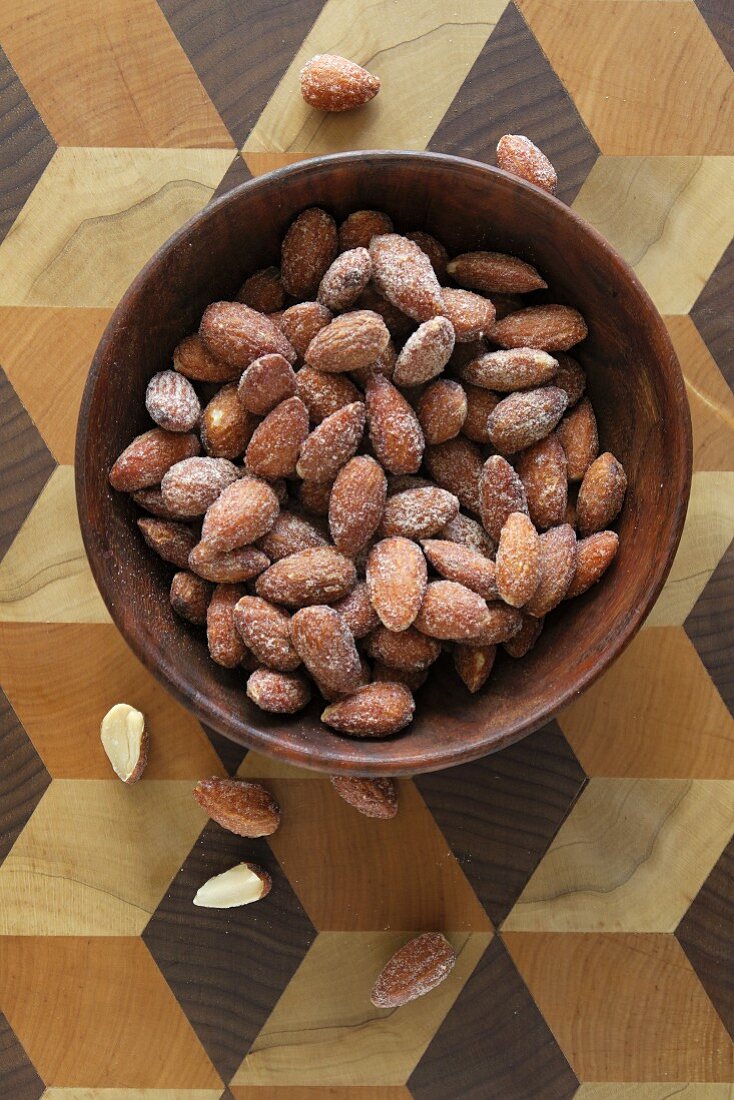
[240, 885]
[125, 740]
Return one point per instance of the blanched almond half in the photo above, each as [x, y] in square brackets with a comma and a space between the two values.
[125, 740]
[240, 885]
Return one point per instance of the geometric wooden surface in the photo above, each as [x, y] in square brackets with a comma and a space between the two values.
[586, 874]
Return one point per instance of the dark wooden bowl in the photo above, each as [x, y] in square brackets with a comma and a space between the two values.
[634, 381]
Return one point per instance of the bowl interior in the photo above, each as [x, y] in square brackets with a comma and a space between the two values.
[634, 383]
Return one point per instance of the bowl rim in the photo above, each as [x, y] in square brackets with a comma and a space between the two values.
[455, 753]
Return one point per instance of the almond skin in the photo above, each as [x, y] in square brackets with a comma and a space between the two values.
[570, 377]
[407, 650]
[557, 568]
[462, 564]
[332, 83]
[474, 664]
[276, 442]
[579, 437]
[266, 631]
[226, 427]
[375, 710]
[549, 328]
[502, 492]
[278, 692]
[302, 322]
[518, 560]
[243, 512]
[313, 576]
[491, 272]
[425, 353]
[457, 466]
[396, 576]
[601, 495]
[467, 532]
[171, 402]
[517, 154]
[332, 444]
[416, 969]
[376, 798]
[308, 249]
[418, 513]
[313, 496]
[356, 504]
[358, 229]
[190, 597]
[395, 432]
[451, 612]
[144, 461]
[399, 324]
[289, 534]
[266, 382]
[594, 555]
[357, 611]
[403, 273]
[526, 637]
[323, 393]
[229, 566]
[193, 360]
[263, 291]
[326, 646]
[523, 418]
[239, 335]
[542, 470]
[442, 410]
[246, 809]
[151, 500]
[225, 644]
[502, 623]
[479, 404]
[433, 249]
[346, 279]
[514, 369]
[383, 674]
[171, 541]
[471, 315]
[350, 341]
[192, 485]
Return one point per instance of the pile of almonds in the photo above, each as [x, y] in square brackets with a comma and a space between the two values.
[395, 457]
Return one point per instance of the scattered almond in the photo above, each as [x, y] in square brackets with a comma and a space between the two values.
[406, 650]
[171, 402]
[323, 393]
[518, 560]
[523, 418]
[243, 512]
[425, 353]
[345, 280]
[151, 500]
[514, 369]
[474, 664]
[314, 496]
[289, 534]
[225, 644]
[517, 154]
[433, 249]
[501, 624]
[490, 272]
[457, 466]
[398, 323]
[526, 637]
[594, 555]
[266, 631]
[358, 229]
[234, 332]
[350, 341]
[125, 740]
[471, 315]
[451, 612]
[263, 291]
[171, 541]
[326, 646]
[479, 404]
[569, 377]
[467, 532]
[371, 797]
[144, 461]
[278, 692]
[601, 495]
[403, 273]
[227, 566]
[395, 432]
[266, 382]
[226, 427]
[246, 809]
[193, 360]
[579, 437]
[417, 968]
[550, 328]
[240, 885]
[308, 249]
[276, 442]
[317, 575]
[418, 513]
[332, 443]
[542, 470]
[502, 492]
[396, 581]
[357, 611]
[190, 486]
[302, 322]
[330, 82]
[442, 410]
[557, 568]
[375, 710]
[190, 597]
[462, 564]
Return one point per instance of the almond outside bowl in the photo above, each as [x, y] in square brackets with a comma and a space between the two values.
[635, 384]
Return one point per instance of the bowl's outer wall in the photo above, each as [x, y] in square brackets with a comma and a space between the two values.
[634, 382]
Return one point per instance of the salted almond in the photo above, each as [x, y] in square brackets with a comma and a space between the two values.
[462, 564]
[407, 650]
[517, 154]
[433, 249]
[471, 315]
[125, 741]
[144, 461]
[525, 417]
[151, 500]
[243, 512]
[278, 692]
[289, 534]
[171, 402]
[332, 443]
[228, 566]
[467, 532]
[403, 273]
[371, 797]
[242, 884]
[550, 328]
[276, 442]
[266, 631]
[526, 637]
[246, 809]
[356, 504]
[357, 611]
[601, 495]
[169, 540]
[502, 492]
[375, 710]
[396, 575]
[425, 353]
[332, 83]
[579, 437]
[326, 646]
[384, 365]
[474, 664]
[266, 382]
[518, 560]
[317, 575]
[395, 432]
[345, 280]
[570, 377]
[383, 674]
[225, 644]
[314, 496]
[542, 470]
[234, 332]
[417, 968]
[190, 597]
[193, 360]
[491, 272]
[451, 612]
[226, 427]
[263, 291]
[501, 624]
[442, 410]
[479, 404]
[398, 323]
[401, 483]
[308, 249]
[190, 486]
[302, 322]
[323, 393]
[418, 513]
[570, 516]
[557, 569]
[513, 369]
[350, 341]
[358, 229]
[594, 555]
[457, 466]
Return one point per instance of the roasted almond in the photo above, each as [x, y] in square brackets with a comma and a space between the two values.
[193, 360]
[601, 495]
[308, 249]
[226, 427]
[228, 566]
[331, 444]
[490, 272]
[557, 568]
[396, 580]
[266, 631]
[383, 674]
[314, 496]
[523, 418]
[514, 369]
[518, 560]
[457, 466]
[417, 968]
[357, 611]
[550, 328]
[302, 322]
[425, 353]
[243, 512]
[594, 555]
[331, 83]
[356, 504]
[190, 486]
[474, 664]
[246, 809]
[289, 534]
[384, 365]
[276, 442]
[526, 637]
[502, 492]
[190, 597]
[350, 341]
[266, 382]
[234, 332]
[372, 797]
[326, 646]
[569, 377]
[317, 575]
[579, 437]
[471, 315]
[542, 470]
[323, 393]
[467, 532]
[144, 461]
[517, 154]
[462, 564]
[403, 273]
[399, 324]
[501, 624]
[278, 692]
[358, 229]
[225, 644]
[395, 432]
[263, 291]
[375, 710]
[171, 402]
[442, 410]
[345, 280]
[433, 249]
[479, 404]
[171, 541]
[151, 500]
[451, 612]
[407, 650]
[418, 513]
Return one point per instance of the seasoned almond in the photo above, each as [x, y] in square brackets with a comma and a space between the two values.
[542, 470]
[395, 432]
[345, 280]
[375, 710]
[504, 305]
[433, 249]
[523, 418]
[357, 611]
[466, 353]
[358, 229]
[126, 741]
[401, 483]
[418, 513]
[557, 568]
[471, 315]
[479, 404]
[276, 442]
[442, 410]
[569, 377]
[171, 402]
[383, 674]
[225, 644]
[226, 427]
[242, 884]
[490, 272]
[451, 612]
[350, 341]
[190, 486]
[396, 580]
[228, 566]
[266, 631]
[263, 291]
[331, 83]
[266, 382]
[579, 437]
[417, 968]
[314, 496]
[151, 500]
[425, 353]
[323, 393]
[190, 597]
[462, 564]
[398, 323]
[518, 560]
[246, 809]
[502, 492]
[474, 664]
[550, 328]
[171, 541]
[193, 360]
[302, 322]
[234, 332]
[570, 516]
[144, 461]
[317, 575]
[518, 155]
[601, 495]
[326, 646]
[384, 365]
[457, 466]
[403, 273]
[243, 512]
[515, 369]
[372, 797]
[332, 443]
[467, 532]
[502, 623]
[289, 534]
[356, 504]
[594, 555]
[407, 650]
[308, 249]
[526, 637]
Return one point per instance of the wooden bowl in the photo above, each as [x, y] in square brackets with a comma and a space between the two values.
[635, 385]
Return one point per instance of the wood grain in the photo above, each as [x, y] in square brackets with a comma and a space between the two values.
[237, 173]
[25, 464]
[711, 400]
[638, 992]
[17, 1073]
[713, 314]
[23, 777]
[710, 626]
[629, 858]
[26, 146]
[659, 1091]
[630, 66]
[327, 1092]
[655, 714]
[719, 21]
